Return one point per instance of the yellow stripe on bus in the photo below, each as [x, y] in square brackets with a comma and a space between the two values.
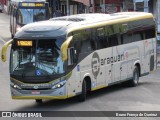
[99, 87]
[43, 97]
[39, 97]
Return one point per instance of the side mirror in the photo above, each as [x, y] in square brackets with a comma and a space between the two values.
[71, 56]
[4, 49]
[64, 48]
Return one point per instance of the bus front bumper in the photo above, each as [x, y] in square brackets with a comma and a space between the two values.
[59, 93]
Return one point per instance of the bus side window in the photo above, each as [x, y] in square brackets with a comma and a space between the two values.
[145, 28]
[150, 33]
[149, 27]
[101, 38]
[93, 39]
[86, 41]
[93, 44]
[112, 32]
[123, 28]
[113, 40]
[127, 38]
[137, 36]
[77, 43]
[121, 38]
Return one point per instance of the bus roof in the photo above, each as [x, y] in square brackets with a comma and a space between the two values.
[64, 25]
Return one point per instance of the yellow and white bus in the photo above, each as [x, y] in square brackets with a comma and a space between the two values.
[69, 56]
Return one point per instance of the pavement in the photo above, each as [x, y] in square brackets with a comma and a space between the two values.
[5, 34]
[1, 40]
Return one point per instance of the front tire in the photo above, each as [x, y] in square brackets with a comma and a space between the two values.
[38, 100]
[82, 96]
[135, 80]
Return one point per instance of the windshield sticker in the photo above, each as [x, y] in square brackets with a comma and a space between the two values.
[78, 68]
[38, 72]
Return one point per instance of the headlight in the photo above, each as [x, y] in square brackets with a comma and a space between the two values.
[59, 85]
[15, 86]
[18, 28]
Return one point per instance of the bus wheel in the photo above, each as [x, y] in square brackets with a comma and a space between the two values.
[38, 100]
[82, 96]
[135, 80]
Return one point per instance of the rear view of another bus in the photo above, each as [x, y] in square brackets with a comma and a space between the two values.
[27, 11]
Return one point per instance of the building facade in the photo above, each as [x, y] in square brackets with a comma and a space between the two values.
[5, 4]
[154, 7]
[70, 7]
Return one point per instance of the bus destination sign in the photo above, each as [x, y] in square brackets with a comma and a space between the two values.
[32, 4]
[24, 43]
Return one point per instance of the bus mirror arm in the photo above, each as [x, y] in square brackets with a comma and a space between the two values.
[4, 49]
[64, 48]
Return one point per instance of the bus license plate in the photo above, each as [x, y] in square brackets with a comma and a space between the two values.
[36, 92]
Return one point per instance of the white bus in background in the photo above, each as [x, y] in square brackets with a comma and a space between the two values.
[23, 12]
[69, 56]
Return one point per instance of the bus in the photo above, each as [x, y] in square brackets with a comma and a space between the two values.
[23, 12]
[73, 55]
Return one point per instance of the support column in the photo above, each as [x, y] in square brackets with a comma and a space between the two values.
[158, 17]
[134, 4]
[93, 1]
[68, 8]
[146, 9]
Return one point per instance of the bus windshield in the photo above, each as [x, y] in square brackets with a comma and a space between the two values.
[40, 58]
[25, 16]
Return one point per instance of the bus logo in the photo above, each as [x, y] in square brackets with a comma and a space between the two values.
[6, 114]
[38, 72]
[95, 64]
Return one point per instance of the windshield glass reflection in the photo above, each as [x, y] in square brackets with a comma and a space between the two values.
[40, 59]
[25, 16]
